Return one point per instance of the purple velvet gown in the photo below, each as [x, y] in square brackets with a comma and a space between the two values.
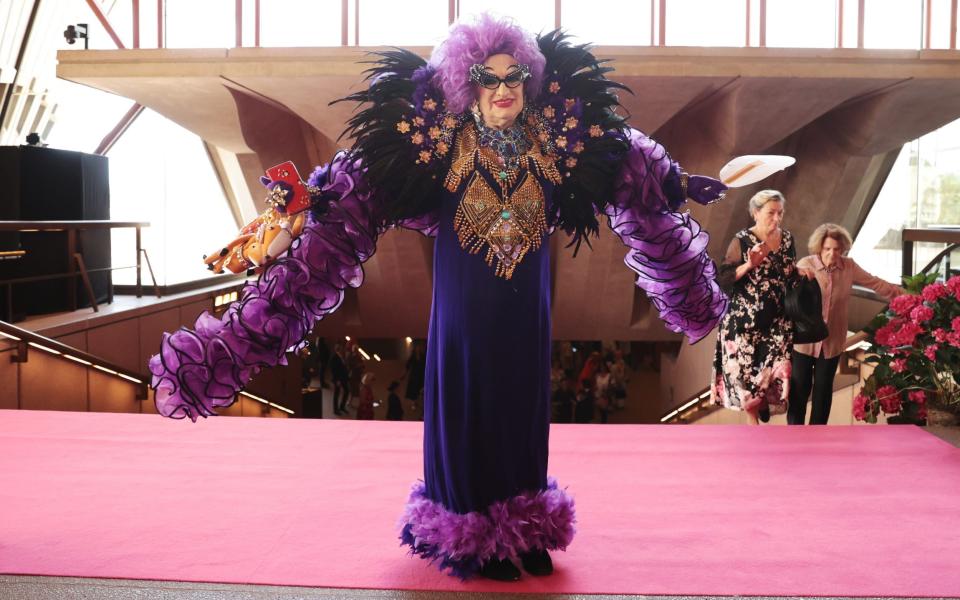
[485, 493]
[487, 388]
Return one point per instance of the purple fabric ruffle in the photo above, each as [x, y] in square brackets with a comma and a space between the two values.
[202, 369]
[463, 543]
[668, 250]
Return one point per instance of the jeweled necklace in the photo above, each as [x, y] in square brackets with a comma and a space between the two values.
[509, 144]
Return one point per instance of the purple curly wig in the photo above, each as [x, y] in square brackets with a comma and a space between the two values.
[471, 43]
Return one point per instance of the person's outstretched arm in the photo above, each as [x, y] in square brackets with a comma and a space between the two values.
[668, 249]
[201, 369]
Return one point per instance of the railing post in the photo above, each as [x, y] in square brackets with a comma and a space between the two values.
[906, 265]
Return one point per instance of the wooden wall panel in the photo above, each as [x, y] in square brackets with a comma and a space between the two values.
[77, 340]
[9, 380]
[117, 342]
[152, 328]
[52, 383]
[111, 394]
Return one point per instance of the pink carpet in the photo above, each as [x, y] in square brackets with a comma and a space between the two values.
[662, 509]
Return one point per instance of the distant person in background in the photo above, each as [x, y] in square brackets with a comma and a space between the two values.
[563, 401]
[365, 403]
[341, 380]
[308, 366]
[323, 360]
[602, 391]
[618, 380]
[583, 411]
[414, 374]
[816, 364]
[394, 405]
[355, 367]
[589, 370]
[556, 375]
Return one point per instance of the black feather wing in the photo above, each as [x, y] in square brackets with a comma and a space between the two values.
[395, 134]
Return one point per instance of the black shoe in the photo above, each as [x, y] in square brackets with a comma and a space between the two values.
[764, 414]
[500, 570]
[537, 562]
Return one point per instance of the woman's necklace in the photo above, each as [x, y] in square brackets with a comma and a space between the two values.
[508, 144]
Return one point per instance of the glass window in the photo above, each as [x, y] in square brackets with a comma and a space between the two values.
[889, 24]
[922, 190]
[809, 24]
[207, 24]
[388, 22]
[537, 16]
[84, 115]
[300, 23]
[161, 173]
[607, 22]
[878, 244]
[706, 23]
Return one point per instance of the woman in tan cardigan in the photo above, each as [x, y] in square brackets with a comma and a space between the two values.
[817, 363]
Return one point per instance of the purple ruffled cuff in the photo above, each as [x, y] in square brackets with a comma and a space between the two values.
[668, 250]
[463, 543]
[202, 369]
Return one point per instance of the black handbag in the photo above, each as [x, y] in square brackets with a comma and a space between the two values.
[804, 306]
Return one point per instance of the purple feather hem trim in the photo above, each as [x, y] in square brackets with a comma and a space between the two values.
[463, 543]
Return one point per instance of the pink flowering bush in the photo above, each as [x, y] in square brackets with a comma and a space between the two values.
[915, 349]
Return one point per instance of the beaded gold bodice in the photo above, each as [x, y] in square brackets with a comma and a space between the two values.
[508, 216]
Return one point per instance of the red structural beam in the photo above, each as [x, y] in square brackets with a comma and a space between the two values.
[106, 23]
[652, 14]
[238, 39]
[663, 22]
[160, 6]
[256, 23]
[862, 9]
[136, 23]
[953, 24]
[763, 24]
[121, 127]
[839, 23]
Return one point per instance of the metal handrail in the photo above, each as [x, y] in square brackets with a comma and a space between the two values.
[76, 266]
[25, 340]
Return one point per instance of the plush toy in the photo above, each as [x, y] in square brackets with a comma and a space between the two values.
[270, 234]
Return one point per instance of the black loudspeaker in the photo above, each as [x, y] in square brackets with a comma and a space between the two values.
[45, 184]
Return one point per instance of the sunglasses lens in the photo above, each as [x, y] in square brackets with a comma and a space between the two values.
[489, 81]
[513, 79]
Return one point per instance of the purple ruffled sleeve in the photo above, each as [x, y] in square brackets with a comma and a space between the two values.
[667, 249]
[202, 369]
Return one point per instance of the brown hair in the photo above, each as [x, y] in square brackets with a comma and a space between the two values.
[832, 231]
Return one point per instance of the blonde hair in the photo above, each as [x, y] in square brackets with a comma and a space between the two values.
[760, 199]
[832, 231]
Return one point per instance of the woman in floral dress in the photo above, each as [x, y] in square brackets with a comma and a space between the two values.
[751, 367]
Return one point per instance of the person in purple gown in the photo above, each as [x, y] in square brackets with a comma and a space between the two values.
[495, 143]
